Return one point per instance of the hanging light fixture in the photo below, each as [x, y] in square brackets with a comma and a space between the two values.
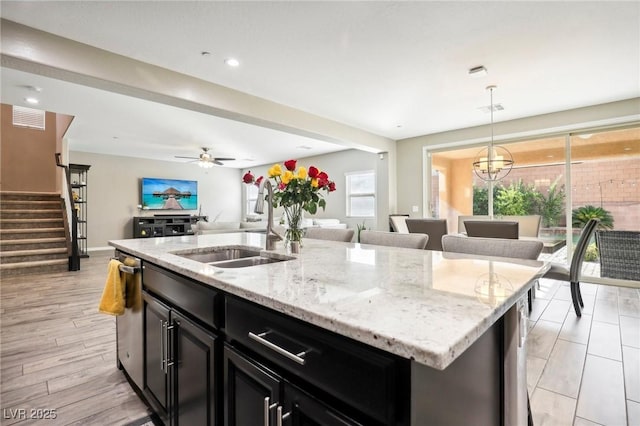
[492, 163]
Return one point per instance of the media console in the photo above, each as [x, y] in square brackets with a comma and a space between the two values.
[164, 225]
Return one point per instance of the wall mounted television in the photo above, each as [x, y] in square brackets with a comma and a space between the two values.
[169, 194]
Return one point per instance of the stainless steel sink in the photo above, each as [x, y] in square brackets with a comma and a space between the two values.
[247, 261]
[217, 254]
[231, 257]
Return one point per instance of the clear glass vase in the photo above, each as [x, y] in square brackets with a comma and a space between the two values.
[293, 234]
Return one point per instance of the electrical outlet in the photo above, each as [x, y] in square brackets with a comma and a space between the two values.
[414, 209]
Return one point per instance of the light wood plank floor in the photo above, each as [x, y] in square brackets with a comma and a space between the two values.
[57, 352]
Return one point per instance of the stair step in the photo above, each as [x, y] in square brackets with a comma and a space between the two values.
[22, 256]
[31, 214]
[31, 223]
[25, 204]
[36, 196]
[27, 234]
[33, 244]
[34, 267]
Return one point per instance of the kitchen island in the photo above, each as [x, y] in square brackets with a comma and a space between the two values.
[369, 334]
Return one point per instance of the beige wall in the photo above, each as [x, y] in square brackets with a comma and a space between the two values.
[28, 155]
[113, 192]
[410, 152]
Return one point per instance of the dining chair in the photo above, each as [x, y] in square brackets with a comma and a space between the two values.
[496, 247]
[329, 234]
[492, 228]
[434, 228]
[397, 223]
[571, 272]
[394, 239]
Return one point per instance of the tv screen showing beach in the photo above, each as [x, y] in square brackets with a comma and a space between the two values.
[169, 194]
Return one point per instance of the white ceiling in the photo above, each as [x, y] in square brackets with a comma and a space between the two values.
[395, 69]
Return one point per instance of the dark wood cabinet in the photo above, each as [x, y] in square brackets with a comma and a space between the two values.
[255, 395]
[252, 392]
[164, 225]
[180, 366]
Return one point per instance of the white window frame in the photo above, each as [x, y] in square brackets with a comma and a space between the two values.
[350, 195]
[251, 197]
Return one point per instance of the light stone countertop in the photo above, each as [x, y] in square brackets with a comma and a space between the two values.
[413, 303]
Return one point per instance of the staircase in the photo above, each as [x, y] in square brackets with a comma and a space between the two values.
[32, 234]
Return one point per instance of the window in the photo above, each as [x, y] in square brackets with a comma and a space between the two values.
[361, 194]
[252, 196]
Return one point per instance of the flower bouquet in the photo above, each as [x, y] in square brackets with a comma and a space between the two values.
[296, 191]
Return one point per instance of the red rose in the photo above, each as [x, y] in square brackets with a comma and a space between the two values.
[248, 177]
[290, 165]
[281, 186]
[323, 179]
[313, 172]
[332, 186]
[259, 180]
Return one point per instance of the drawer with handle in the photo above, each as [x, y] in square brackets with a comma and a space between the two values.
[362, 377]
[189, 296]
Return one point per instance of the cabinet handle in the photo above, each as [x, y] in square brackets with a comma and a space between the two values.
[282, 417]
[162, 345]
[267, 410]
[168, 362]
[294, 357]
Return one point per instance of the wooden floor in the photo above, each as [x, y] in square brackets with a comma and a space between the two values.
[58, 353]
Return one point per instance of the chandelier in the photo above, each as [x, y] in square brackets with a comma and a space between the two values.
[492, 163]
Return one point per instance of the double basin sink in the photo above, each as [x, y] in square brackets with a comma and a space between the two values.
[232, 257]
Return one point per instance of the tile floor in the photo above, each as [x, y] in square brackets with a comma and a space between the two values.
[584, 371]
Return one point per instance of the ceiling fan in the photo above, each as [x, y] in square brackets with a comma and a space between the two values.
[207, 160]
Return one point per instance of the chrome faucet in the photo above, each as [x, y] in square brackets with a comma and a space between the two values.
[272, 235]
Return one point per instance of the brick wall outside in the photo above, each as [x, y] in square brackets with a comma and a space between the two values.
[611, 184]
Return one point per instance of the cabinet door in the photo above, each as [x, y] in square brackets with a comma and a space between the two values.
[193, 360]
[156, 349]
[301, 409]
[251, 391]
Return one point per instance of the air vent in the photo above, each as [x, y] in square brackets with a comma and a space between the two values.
[496, 107]
[28, 117]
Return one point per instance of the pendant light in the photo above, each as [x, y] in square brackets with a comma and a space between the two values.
[492, 163]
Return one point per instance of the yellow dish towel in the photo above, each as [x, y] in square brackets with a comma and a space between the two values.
[132, 286]
[112, 301]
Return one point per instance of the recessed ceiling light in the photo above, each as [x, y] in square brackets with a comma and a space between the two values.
[205, 53]
[626, 148]
[232, 62]
[478, 72]
[34, 88]
[585, 135]
[32, 101]
[398, 126]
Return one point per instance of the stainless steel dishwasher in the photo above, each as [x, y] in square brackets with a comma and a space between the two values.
[129, 326]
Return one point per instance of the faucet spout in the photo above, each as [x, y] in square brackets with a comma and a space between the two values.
[272, 235]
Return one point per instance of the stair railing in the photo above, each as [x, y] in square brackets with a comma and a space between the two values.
[74, 259]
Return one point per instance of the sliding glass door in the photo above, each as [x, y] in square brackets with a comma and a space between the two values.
[556, 178]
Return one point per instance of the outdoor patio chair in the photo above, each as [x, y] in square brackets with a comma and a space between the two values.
[619, 254]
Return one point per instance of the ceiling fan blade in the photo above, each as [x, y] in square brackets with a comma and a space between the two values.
[219, 163]
[190, 158]
[223, 159]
